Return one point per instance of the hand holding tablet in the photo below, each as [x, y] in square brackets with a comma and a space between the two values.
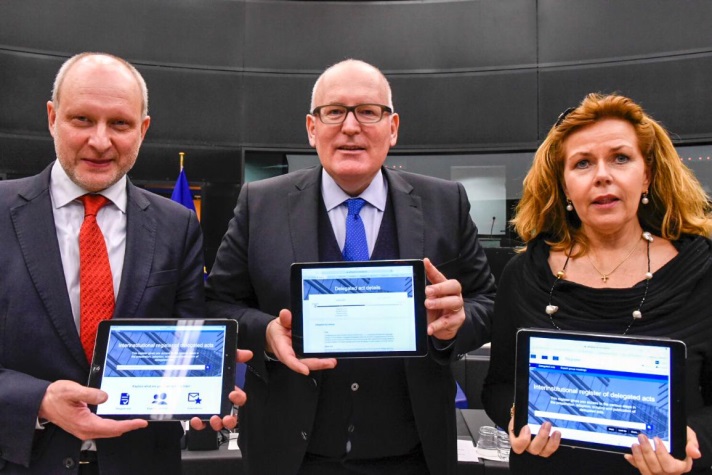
[444, 302]
[158, 369]
[600, 392]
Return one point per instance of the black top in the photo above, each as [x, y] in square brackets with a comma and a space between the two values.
[678, 305]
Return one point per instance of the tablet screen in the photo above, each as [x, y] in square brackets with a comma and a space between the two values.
[601, 391]
[359, 309]
[164, 369]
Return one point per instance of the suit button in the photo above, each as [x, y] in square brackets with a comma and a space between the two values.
[354, 387]
[351, 428]
[315, 383]
[68, 462]
[304, 435]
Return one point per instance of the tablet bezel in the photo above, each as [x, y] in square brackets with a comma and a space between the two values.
[228, 362]
[678, 422]
[419, 311]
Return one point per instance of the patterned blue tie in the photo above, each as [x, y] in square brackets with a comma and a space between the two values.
[355, 247]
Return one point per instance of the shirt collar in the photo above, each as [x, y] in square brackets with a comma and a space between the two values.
[64, 190]
[375, 194]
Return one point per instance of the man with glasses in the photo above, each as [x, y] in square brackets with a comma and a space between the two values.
[375, 416]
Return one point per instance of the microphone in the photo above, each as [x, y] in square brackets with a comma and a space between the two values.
[494, 218]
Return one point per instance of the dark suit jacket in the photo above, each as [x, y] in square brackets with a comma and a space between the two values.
[275, 224]
[39, 342]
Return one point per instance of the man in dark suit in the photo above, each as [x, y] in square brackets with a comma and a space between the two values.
[386, 416]
[98, 119]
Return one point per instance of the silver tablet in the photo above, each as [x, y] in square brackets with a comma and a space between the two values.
[600, 391]
[359, 309]
[158, 369]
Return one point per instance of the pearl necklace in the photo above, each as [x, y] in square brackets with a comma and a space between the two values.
[637, 315]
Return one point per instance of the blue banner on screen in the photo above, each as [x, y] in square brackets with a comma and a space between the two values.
[600, 392]
[358, 286]
[163, 370]
[358, 309]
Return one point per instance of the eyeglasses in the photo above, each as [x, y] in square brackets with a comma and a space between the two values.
[333, 114]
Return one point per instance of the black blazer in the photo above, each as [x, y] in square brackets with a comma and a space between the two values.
[39, 342]
[275, 224]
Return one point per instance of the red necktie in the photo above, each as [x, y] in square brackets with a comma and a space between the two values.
[96, 285]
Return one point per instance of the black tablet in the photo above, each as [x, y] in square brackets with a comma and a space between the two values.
[601, 391]
[359, 309]
[158, 369]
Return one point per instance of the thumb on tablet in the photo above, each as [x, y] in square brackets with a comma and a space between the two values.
[285, 318]
[93, 396]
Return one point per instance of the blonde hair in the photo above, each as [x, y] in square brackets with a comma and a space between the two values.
[678, 203]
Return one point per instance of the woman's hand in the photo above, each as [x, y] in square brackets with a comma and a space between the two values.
[543, 444]
[659, 461]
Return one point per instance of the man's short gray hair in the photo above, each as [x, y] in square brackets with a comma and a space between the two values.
[67, 65]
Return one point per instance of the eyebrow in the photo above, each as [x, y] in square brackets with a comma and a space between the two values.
[613, 149]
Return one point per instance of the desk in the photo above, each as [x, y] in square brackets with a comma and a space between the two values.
[469, 421]
[200, 462]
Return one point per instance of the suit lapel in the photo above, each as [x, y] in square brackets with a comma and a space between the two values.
[411, 242]
[409, 216]
[304, 204]
[140, 245]
[33, 222]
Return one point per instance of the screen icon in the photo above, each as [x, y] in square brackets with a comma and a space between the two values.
[160, 399]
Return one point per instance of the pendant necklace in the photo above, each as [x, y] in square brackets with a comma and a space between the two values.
[637, 314]
[604, 277]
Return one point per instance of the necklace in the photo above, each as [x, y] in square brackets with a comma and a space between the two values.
[604, 277]
[637, 314]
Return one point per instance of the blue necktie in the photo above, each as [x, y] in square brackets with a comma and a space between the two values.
[355, 247]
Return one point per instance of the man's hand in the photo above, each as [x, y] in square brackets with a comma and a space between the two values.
[237, 397]
[65, 404]
[443, 299]
[279, 343]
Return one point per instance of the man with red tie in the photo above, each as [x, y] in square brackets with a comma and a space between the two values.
[81, 243]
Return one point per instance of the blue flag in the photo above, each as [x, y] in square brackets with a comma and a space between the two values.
[181, 192]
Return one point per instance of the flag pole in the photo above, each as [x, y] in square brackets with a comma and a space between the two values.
[182, 155]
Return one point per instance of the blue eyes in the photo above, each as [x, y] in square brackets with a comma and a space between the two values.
[619, 159]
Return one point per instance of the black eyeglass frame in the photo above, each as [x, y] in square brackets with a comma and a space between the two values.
[351, 109]
[563, 116]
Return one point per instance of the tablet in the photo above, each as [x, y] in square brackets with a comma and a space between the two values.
[601, 391]
[359, 309]
[159, 369]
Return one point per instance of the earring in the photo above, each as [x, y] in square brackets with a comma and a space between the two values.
[569, 206]
[645, 199]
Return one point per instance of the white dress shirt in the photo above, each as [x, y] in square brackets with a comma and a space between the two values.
[68, 217]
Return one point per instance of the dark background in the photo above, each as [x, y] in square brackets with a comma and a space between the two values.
[230, 80]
